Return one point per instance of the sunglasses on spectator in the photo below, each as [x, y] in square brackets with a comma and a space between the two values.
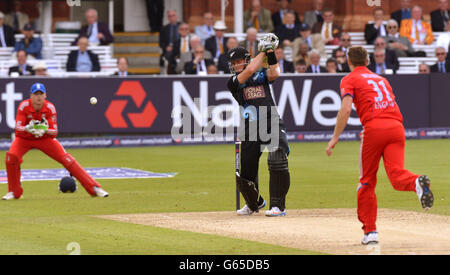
[392, 27]
[440, 53]
[345, 40]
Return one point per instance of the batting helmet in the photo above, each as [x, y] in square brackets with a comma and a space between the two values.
[67, 185]
[238, 53]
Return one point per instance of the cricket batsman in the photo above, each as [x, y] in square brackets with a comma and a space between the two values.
[383, 135]
[36, 128]
[250, 87]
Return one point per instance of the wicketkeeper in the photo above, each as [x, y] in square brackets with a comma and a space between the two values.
[36, 128]
[250, 87]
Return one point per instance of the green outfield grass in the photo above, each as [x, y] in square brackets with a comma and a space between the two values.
[45, 221]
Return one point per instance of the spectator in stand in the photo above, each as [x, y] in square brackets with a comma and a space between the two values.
[300, 67]
[258, 18]
[390, 58]
[17, 19]
[212, 69]
[189, 56]
[98, 33]
[199, 64]
[181, 46]
[377, 28]
[250, 43]
[417, 30]
[40, 69]
[82, 60]
[315, 67]
[168, 37]
[329, 30]
[379, 64]
[403, 13]
[122, 65]
[302, 53]
[444, 38]
[331, 65]
[424, 68]
[344, 43]
[285, 66]
[442, 66]
[341, 61]
[278, 16]
[288, 32]
[216, 44]
[314, 41]
[223, 58]
[22, 67]
[6, 34]
[155, 14]
[206, 30]
[314, 16]
[31, 45]
[397, 43]
[440, 17]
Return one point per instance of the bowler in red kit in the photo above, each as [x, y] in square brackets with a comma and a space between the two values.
[36, 128]
[383, 135]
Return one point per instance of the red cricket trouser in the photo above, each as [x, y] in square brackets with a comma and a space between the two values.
[381, 138]
[52, 148]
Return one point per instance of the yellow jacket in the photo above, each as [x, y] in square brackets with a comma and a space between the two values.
[407, 27]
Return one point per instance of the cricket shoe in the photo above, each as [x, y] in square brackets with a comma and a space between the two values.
[9, 196]
[100, 192]
[246, 211]
[370, 238]
[275, 212]
[424, 193]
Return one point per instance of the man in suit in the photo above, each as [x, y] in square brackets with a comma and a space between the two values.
[329, 30]
[314, 41]
[32, 45]
[258, 18]
[206, 30]
[300, 67]
[216, 44]
[331, 66]
[285, 66]
[424, 68]
[98, 33]
[155, 14]
[222, 64]
[199, 65]
[442, 65]
[379, 64]
[440, 17]
[22, 68]
[390, 58]
[313, 16]
[344, 43]
[189, 56]
[122, 65]
[250, 43]
[6, 34]
[168, 36]
[82, 60]
[375, 29]
[397, 43]
[417, 30]
[444, 38]
[302, 53]
[341, 61]
[403, 13]
[17, 19]
[288, 32]
[181, 46]
[315, 67]
[278, 16]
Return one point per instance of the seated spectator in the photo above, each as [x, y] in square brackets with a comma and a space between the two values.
[397, 43]
[250, 43]
[40, 69]
[216, 44]
[329, 30]
[344, 43]
[313, 16]
[341, 61]
[390, 57]
[424, 68]
[285, 66]
[181, 46]
[315, 67]
[403, 13]
[199, 65]
[278, 16]
[375, 29]
[6, 34]
[331, 65]
[418, 31]
[31, 45]
[288, 32]
[82, 60]
[98, 33]
[300, 67]
[379, 65]
[444, 38]
[189, 56]
[168, 37]
[17, 19]
[440, 17]
[22, 67]
[212, 69]
[442, 66]
[206, 30]
[223, 58]
[314, 41]
[258, 18]
[302, 53]
[122, 65]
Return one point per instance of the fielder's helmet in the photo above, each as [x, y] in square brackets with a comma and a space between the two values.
[238, 53]
[67, 185]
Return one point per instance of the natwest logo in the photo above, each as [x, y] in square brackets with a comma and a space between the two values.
[114, 113]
